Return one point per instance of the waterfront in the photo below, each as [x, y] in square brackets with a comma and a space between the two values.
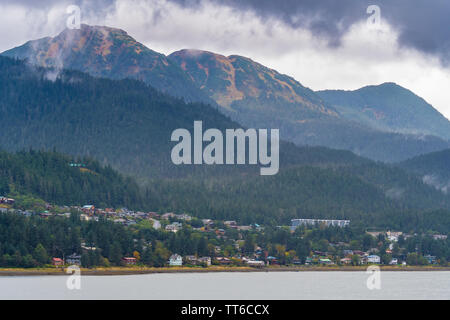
[235, 285]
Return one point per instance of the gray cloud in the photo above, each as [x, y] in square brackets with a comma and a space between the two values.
[290, 36]
[422, 24]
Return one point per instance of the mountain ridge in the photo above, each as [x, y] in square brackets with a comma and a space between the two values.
[128, 124]
[108, 52]
[249, 93]
[389, 107]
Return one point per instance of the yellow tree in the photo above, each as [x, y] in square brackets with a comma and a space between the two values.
[137, 255]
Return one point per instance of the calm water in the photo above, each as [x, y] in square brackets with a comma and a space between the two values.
[273, 285]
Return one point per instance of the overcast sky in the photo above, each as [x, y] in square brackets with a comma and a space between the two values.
[324, 44]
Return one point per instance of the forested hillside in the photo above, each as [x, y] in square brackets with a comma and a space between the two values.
[434, 168]
[389, 107]
[123, 123]
[65, 180]
[306, 192]
[127, 125]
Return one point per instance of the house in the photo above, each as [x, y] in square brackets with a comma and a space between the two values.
[28, 213]
[168, 215]
[174, 227]
[205, 260]
[207, 222]
[57, 262]
[223, 260]
[394, 261]
[45, 214]
[198, 261]
[393, 236]
[5, 200]
[175, 260]
[346, 261]
[190, 259]
[64, 215]
[153, 215]
[430, 259]
[272, 260]
[129, 260]
[184, 217]
[88, 209]
[230, 224]
[156, 224]
[295, 223]
[74, 259]
[84, 217]
[256, 263]
[373, 259]
[325, 261]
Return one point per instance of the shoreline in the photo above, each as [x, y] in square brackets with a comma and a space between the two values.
[116, 271]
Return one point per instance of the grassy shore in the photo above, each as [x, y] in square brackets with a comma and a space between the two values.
[146, 270]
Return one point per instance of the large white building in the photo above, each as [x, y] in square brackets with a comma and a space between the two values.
[373, 259]
[310, 222]
[176, 260]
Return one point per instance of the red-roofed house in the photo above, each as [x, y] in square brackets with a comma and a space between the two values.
[57, 261]
[129, 260]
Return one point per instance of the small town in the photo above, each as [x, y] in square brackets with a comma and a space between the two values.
[228, 244]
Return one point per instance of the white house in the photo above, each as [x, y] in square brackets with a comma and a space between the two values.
[394, 261]
[373, 259]
[184, 216]
[156, 223]
[256, 264]
[174, 227]
[175, 260]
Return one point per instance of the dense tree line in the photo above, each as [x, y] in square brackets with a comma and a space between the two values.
[33, 241]
[299, 192]
[30, 242]
[65, 180]
[303, 192]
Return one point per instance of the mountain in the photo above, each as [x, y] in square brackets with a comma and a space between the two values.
[246, 91]
[123, 123]
[389, 107]
[128, 124]
[248, 88]
[108, 52]
[257, 96]
[434, 168]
